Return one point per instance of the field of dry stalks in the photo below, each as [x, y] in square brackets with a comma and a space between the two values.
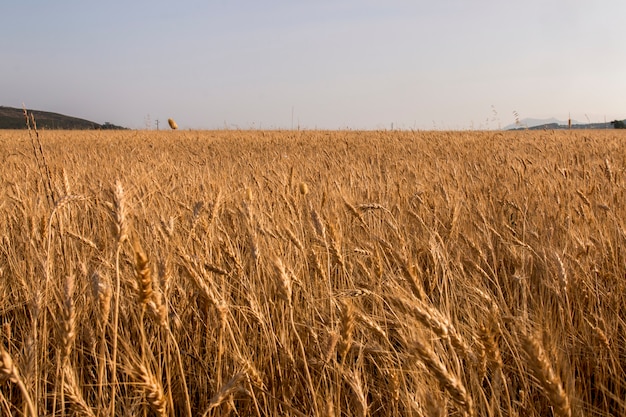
[313, 273]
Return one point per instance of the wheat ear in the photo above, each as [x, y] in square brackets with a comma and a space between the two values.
[232, 386]
[438, 323]
[348, 319]
[545, 375]
[153, 390]
[8, 372]
[335, 247]
[286, 292]
[453, 385]
[121, 234]
[74, 394]
[68, 322]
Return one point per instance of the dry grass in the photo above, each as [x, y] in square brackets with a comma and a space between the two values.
[313, 273]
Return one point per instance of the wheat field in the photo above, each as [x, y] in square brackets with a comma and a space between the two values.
[313, 273]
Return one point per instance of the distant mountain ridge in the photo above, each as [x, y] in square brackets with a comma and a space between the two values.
[529, 122]
[13, 118]
[555, 124]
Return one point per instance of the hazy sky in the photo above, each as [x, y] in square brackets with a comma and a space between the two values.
[453, 64]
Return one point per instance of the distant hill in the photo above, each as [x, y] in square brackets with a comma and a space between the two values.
[554, 124]
[13, 118]
[530, 123]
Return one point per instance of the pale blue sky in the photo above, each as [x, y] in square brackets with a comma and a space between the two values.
[449, 64]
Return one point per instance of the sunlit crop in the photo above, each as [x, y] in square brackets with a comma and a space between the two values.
[313, 273]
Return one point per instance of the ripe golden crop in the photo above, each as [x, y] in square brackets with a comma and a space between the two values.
[313, 272]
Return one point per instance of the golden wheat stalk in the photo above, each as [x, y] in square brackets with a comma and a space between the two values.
[253, 374]
[451, 383]
[283, 281]
[9, 372]
[354, 379]
[354, 212]
[416, 285]
[231, 254]
[318, 225]
[335, 247]
[491, 348]
[221, 307]
[101, 290]
[294, 239]
[372, 206]
[230, 388]
[348, 319]
[83, 239]
[545, 375]
[152, 389]
[74, 394]
[601, 335]
[121, 234]
[371, 324]
[215, 208]
[143, 273]
[119, 212]
[172, 124]
[102, 294]
[68, 320]
[437, 322]
[316, 264]
[285, 291]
